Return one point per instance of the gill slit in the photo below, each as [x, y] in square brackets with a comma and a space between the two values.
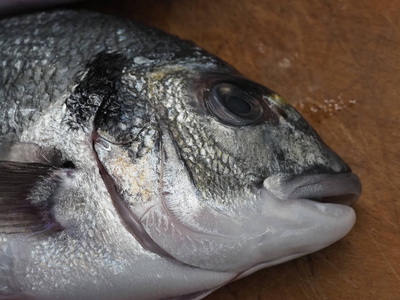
[128, 218]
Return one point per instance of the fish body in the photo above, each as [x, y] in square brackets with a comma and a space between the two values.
[135, 165]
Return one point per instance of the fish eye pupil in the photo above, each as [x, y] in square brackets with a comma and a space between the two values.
[234, 104]
[238, 105]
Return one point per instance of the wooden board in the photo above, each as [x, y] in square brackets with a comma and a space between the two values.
[338, 62]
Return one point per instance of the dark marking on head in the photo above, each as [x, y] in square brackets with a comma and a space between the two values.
[97, 88]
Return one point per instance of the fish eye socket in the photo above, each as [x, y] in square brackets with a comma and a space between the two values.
[233, 105]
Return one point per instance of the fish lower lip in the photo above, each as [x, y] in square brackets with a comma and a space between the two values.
[328, 188]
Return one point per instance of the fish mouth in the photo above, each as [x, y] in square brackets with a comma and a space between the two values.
[342, 188]
[305, 214]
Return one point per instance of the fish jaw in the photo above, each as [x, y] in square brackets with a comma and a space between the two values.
[300, 227]
[273, 231]
[310, 213]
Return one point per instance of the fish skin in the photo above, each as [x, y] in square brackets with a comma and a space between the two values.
[149, 191]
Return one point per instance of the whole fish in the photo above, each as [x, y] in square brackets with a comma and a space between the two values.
[135, 165]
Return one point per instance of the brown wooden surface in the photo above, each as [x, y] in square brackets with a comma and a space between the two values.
[338, 62]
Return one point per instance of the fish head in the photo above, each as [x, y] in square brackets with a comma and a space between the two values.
[221, 172]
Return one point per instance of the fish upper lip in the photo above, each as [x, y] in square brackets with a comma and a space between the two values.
[342, 188]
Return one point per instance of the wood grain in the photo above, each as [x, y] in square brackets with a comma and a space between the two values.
[338, 62]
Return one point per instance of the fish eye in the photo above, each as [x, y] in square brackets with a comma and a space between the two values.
[233, 105]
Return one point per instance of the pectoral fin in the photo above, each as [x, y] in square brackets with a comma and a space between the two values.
[27, 195]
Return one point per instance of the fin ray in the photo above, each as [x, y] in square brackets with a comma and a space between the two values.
[20, 210]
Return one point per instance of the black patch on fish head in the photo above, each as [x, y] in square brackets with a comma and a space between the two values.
[103, 101]
[97, 87]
